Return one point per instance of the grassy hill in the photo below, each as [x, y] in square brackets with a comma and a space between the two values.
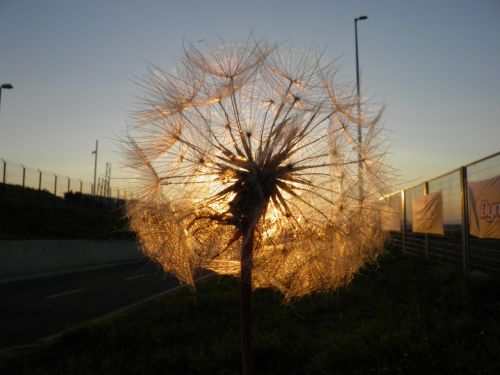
[32, 214]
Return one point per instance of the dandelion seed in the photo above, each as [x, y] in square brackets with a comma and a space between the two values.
[254, 170]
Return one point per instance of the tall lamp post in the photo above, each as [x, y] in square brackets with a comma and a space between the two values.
[360, 133]
[6, 86]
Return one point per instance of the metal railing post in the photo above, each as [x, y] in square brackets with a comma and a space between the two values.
[426, 239]
[81, 186]
[4, 176]
[39, 184]
[24, 175]
[55, 184]
[69, 184]
[465, 220]
[403, 210]
[4, 180]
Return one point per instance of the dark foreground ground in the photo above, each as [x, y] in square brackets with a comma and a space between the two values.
[405, 316]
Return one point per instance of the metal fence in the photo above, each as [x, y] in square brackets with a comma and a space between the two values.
[456, 246]
[29, 178]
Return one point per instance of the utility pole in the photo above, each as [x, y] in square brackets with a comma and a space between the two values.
[95, 167]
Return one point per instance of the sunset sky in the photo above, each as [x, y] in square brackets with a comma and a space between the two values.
[434, 64]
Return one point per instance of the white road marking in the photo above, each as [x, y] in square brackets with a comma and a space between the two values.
[66, 293]
[173, 290]
[134, 277]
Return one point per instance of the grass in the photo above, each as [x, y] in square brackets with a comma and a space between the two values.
[405, 316]
[34, 214]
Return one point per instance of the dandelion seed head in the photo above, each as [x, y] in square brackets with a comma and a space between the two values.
[252, 137]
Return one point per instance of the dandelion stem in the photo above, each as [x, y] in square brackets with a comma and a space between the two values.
[246, 299]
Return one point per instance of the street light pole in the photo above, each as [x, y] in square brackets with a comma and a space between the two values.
[6, 86]
[95, 166]
[358, 92]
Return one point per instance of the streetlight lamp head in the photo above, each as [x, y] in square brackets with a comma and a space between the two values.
[362, 18]
[7, 86]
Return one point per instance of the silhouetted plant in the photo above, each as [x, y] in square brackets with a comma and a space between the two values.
[246, 160]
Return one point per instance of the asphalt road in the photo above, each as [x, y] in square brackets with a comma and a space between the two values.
[33, 309]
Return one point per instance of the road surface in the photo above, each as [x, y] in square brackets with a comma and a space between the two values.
[33, 309]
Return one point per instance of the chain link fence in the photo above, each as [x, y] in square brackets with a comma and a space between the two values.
[14, 174]
[457, 245]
